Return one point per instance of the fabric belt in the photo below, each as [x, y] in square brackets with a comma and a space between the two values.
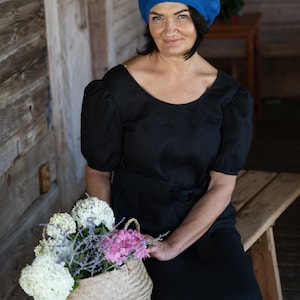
[153, 186]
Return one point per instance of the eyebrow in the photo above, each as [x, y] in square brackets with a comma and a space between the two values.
[176, 13]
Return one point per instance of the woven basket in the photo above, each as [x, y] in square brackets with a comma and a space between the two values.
[130, 282]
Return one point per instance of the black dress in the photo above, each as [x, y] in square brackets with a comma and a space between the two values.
[162, 154]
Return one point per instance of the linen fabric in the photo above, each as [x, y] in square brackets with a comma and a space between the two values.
[209, 9]
[161, 155]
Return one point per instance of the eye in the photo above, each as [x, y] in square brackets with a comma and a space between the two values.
[157, 18]
[182, 16]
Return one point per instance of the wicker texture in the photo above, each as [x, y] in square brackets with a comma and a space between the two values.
[132, 282]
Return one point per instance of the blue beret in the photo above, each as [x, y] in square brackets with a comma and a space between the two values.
[209, 9]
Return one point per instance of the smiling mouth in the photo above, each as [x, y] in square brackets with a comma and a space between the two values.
[172, 41]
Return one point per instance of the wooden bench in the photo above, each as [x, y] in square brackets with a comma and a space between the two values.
[260, 198]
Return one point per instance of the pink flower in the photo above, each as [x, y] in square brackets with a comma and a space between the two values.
[124, 244]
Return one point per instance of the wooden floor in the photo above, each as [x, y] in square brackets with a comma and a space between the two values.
[276, 146]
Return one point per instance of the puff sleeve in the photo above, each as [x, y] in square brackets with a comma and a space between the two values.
[236, 133]
[101, 130]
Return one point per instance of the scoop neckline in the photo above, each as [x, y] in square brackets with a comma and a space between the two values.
[168, 103]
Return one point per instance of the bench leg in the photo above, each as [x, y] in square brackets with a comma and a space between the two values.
[264, 260]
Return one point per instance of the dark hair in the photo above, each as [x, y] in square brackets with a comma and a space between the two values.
[201, 29]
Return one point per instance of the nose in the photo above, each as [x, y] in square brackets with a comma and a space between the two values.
[170, 28]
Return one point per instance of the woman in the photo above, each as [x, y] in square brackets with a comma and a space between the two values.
[174, 131]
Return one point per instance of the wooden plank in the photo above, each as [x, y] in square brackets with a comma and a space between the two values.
[20, 22]
[263, 210]
[250, 184]
[23, 57]
[30, 106]
[20, 184]
[22, 142]
[264, 261]
[18, 244]
[18, 84]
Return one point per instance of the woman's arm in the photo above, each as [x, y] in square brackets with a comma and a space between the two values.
[199, 220]
[98, 184]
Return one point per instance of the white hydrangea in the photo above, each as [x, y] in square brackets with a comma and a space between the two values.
[60, 225]
[46, 279]
[42, 247]
[60, 249]
[93, 211]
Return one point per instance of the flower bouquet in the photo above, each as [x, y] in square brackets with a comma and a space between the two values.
[83, 256]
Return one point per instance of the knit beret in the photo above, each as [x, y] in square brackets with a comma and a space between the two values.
[209, 9]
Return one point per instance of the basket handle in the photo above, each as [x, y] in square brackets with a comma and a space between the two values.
[135, 221]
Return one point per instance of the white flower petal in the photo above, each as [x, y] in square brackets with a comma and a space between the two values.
[93, 212]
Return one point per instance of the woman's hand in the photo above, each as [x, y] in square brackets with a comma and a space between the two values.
[160, 250]
[199, 219]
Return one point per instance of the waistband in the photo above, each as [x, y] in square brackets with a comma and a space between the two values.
[154, 186]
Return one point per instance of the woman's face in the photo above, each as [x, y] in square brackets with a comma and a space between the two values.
[172, 28]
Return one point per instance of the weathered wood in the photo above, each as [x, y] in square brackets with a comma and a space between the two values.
[264, 260]
[249, 185]
[70, 71]
[19, 21]
[261, 197]
[262, 211]
[20, 184]
[128, 28]
[41, 121]
[24, 57]
[116, 30]
[102, 39]
[28, 108]
[20, 82]
[21, 143]
[17, 245]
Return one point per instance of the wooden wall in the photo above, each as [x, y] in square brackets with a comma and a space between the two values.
[42, 76]
[280, 46]
[25, 134]
[49, 51]
[279, 49]
[116, 31]
[128, 29]
[280, 30]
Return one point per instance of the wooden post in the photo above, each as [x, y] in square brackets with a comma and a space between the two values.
[102, 37]
[70, 71]
[264, 260]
